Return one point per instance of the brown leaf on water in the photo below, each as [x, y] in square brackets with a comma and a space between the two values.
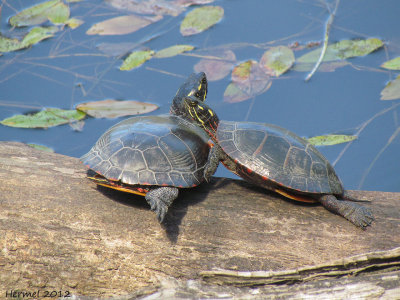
[116, 49]
[248, 80]
[186, 3]
[218, 65]
[122, 25]
[115, 108]
[391, 90]
[149, 7]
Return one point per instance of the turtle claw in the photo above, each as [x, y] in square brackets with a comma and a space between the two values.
[160, 199]
[358, 215]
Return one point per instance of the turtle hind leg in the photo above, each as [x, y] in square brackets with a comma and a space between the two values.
[160, 199]
[358, 215]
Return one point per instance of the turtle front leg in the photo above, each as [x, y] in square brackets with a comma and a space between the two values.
[358, 215]
[160, 199]
[214, 157]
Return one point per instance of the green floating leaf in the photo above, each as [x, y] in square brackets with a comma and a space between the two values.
[58, 14]
[331, 139]
[173, 50]
[217, 65]
[136, 59]
[36, 35]
[277, 60]
[391, 90]
[45, 118]
[34, 15]
[393, 64]
[200, 19]
[122, 25]
[8, 45]
[74, 23]
[343, 49]
[116, 108]
[41, 148]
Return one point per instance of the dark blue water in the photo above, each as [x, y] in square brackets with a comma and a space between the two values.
[68, 69]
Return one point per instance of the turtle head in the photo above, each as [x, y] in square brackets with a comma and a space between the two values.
[202, 114]
[194, 86]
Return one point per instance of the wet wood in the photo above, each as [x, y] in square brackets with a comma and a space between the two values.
[59, 231]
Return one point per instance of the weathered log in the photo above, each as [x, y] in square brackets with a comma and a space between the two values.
[60, 232]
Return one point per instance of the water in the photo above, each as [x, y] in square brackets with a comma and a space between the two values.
[332, 102]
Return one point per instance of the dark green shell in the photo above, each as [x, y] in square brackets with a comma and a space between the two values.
[276, 154]
[152, 150]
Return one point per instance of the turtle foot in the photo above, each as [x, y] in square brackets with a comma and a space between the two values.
[160, 199]
[358, 215]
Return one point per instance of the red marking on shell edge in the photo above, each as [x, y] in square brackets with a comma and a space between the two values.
[180, 186]
[164, 184]
[236, 161]
[265, 177]
[249, 171]
[193, 185]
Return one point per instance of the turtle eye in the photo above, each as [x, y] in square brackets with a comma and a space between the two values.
[191, 102]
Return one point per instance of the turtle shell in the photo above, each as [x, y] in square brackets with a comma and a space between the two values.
[278, 155]
[151, 150]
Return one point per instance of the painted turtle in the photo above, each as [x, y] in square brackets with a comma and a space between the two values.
[153, 156]
[276, 159]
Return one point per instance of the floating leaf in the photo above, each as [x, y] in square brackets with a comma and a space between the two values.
[58, 14]
[122, 25]
[148, 7]
[38, 34]
[324, 67]
[331, 139]
[277, 60]
[200, 19]
[343, 49]
[77, 126]
[34, 15]
[74, 23]
[391, 90]
[249, 80]
[185, 3]
[45, 118]
[116, 108]
[234, 94]
[242, 71]
[41, 148]
[116, 49]
[393, 64]
[136, 59]
[173, 50]
[218, 65]
[8, 45]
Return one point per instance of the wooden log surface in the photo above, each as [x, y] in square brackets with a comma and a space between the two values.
[59, 231]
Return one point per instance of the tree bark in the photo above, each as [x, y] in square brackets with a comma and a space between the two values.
[60, 232]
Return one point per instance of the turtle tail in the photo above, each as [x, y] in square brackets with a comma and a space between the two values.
[346, 196]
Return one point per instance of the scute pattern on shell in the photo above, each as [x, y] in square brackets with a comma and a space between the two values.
[277, 154]
[152, 150]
